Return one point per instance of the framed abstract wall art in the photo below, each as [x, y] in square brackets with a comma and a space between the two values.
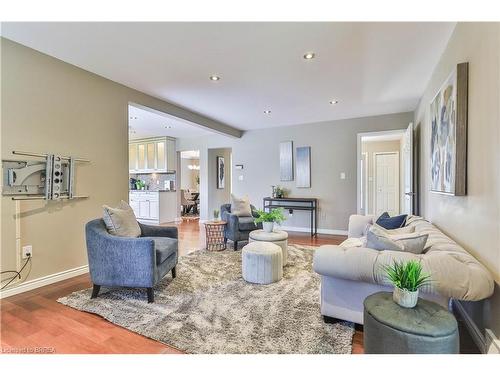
[448, 144]
[221, 176]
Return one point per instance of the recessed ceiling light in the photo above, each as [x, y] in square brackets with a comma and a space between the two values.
[334, 101]
[267, 112]
[309, 55]
[214, 78]
[133, 117]
[168, 127]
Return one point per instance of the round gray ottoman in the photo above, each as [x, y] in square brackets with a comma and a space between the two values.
[261, 262]
[278, 237]
[428, 328]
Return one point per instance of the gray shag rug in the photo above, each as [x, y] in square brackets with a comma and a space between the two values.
[209, 308]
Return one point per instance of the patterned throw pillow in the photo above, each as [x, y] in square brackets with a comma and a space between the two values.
[121, 221]
[240, 206]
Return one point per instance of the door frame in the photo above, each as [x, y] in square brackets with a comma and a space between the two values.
[358, 159]
[375, 154]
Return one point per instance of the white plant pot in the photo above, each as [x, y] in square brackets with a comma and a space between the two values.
[405, 298]
[268, 226]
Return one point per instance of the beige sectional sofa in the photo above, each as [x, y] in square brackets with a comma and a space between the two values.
[350, 272]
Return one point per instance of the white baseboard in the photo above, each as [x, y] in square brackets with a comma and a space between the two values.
[338, 232]
[473, 329]
[43, 281]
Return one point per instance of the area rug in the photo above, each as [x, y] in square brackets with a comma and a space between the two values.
[209, 308]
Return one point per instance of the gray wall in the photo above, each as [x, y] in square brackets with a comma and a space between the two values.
[472, 220]
[333, 150]
[218, 197]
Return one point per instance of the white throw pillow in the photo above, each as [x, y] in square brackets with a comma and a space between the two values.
[240, 206]
[121, 221]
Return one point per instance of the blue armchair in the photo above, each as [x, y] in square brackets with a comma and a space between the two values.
[130, 262]
[238, 228]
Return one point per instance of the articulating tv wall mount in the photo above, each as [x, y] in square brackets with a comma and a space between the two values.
[50, 179]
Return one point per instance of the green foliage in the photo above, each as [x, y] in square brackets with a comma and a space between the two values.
[407, 276]
[216, 214]
[275, 216]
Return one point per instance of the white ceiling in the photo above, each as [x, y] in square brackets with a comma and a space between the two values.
[371, 68]
[145, 123]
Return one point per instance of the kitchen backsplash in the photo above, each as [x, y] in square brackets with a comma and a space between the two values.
[155, 181]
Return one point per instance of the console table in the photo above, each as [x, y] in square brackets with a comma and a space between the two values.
[299, 204]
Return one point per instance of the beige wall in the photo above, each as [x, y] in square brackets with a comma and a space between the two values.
[370, 148]
[51, 106]
[472, 220]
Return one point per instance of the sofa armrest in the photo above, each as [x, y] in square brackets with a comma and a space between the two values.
[232, 221]
[157, 231]
[358, 223]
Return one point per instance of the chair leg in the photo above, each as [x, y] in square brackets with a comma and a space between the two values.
[151, 295]
[95, 291]
[174, 273]
[235, 245]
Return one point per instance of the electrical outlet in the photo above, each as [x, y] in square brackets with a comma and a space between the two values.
[27, 251]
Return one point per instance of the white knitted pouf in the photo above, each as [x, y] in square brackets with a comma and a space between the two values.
[277, 237]
[261, 262]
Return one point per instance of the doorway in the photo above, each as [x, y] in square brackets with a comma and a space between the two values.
[384, 172]
[189, 174]
[386, 183]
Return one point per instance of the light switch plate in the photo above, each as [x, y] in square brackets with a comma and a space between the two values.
[240, 178]
[342, 176]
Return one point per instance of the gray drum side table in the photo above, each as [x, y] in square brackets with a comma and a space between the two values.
[428, 328]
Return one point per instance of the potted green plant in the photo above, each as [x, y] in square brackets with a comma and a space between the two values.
[407, 278]
[269, 218]
[216, 214]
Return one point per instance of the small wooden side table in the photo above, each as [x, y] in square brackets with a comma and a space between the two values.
[215, 235]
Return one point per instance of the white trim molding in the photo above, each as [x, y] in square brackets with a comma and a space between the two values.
[338, 232]
[43, 281]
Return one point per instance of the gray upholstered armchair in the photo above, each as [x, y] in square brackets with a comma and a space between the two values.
[130, 262]
[238, 228]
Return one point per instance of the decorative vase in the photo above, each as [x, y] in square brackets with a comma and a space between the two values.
[268, 226]
[405, 298]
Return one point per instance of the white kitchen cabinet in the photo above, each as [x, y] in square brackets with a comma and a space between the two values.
[154, 207]
[132, 157]
[152, 155]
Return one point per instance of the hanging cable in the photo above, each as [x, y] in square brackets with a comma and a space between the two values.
[18, 274]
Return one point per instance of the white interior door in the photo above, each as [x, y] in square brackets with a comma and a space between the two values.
[407, 159]
[386, 167]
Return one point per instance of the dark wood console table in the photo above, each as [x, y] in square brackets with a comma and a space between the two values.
[300, 204]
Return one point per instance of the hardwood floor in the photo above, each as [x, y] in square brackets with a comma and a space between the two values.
[35, 322]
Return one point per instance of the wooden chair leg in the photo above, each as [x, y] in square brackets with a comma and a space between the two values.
[235, 245]
[95, 291]
[174, 273]
[151, 295]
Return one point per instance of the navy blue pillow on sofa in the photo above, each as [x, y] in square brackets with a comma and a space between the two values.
[388, 222]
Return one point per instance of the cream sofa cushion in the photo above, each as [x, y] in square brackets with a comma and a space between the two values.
[121, 221]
